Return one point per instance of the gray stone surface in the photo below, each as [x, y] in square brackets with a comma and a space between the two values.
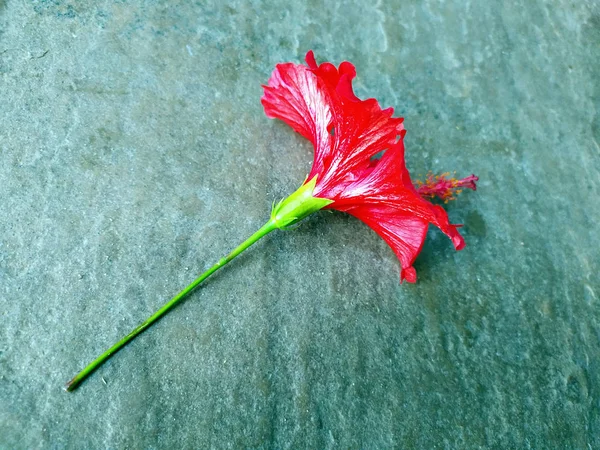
[134, 153]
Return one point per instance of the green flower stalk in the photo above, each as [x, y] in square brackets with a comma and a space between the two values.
[286, 213]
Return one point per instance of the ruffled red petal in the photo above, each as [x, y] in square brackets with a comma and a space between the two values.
[404, 233]
[385, 199]
[293, 95]
[361, 128]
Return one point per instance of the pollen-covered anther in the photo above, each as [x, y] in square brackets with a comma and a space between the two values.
[444, 187]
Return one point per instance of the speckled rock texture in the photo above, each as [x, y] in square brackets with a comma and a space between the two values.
[134, 153]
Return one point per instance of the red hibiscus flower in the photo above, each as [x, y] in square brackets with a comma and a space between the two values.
[348, 135]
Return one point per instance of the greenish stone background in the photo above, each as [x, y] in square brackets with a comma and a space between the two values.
[134, 153]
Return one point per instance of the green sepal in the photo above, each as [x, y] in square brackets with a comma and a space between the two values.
[297, 206]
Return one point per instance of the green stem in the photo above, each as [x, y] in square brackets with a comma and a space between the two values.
[264, 230]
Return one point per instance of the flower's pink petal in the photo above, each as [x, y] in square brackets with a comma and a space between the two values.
[403, 230]
[441, 221]
[328, 73]
[358, 136]
[361, 127]
[392, 167]
[344, 87]
[310, 60]
[339, 79]
[386, 200]
[318, 100]
[293, 95]
[379, 179]
[404, 233]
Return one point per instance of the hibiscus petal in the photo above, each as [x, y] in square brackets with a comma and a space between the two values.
[362, 128]
[404, 233]
[314, 100]
[335, 79]
[293, 95]
[385, 199]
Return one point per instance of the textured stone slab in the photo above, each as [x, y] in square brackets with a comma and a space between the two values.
[134, 153]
